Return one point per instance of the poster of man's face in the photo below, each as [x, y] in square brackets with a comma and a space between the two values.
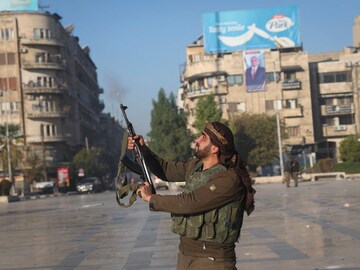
[255, 73]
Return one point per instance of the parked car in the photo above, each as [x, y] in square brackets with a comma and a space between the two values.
[90, 185]
[45, 187]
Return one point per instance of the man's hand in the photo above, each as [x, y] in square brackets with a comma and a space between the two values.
[137, 138]
[144, 192]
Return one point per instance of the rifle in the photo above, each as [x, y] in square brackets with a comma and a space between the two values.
[143, 170]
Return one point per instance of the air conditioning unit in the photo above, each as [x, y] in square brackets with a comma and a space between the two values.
[340, 128]
[30, 97]
[23, 50]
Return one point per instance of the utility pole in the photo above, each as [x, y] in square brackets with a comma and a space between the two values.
[278, 127]
[43, 150]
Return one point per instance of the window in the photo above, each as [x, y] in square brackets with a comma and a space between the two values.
[234, 107]
[291, 103]
[9, 34]
[41, 33]
[5, 107]
[2, 59]
[272, 76]
[346, 120]
[9, 60]
[333, 77]
[235, 79]
[271, 105]
[293, 131]
[3, 84]
[345, 101]
[12, 83]
[6, 34]
[289, 76]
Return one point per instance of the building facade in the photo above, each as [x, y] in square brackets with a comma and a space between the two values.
[316, 96]
[49, 87]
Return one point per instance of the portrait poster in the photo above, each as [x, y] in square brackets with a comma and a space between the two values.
[255, 72]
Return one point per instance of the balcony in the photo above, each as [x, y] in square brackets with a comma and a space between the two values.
[294, 140]
[208, 66]
[294, 112]
[221, 89]
[338, 130]
[337, 109]
[45, 114]
[57, 65]
[333, 88]
[47, 139]
[291, 85]
[42, 41]
[38, 89]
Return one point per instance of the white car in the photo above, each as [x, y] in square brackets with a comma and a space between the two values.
[158, 183]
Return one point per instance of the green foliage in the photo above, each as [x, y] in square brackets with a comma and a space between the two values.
[93, 161]
[324, 165]
[35, 167]
[350, 149]
[15, 139]
[169, 137]
[348, 167]
[206, 111]
[5, 186]
[256, 138]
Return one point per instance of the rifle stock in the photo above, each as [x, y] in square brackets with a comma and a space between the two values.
[141, 164]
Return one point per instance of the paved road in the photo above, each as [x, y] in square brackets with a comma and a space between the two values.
[314, 226]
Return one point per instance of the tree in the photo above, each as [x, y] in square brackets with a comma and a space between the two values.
[206, 111]
[256, 138]
[169, 137]
[350, 149]
[92, 160]
[15, 139]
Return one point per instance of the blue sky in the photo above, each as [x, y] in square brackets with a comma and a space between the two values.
[139, 45]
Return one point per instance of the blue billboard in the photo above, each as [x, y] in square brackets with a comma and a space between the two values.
[251, 29]
[18, 5]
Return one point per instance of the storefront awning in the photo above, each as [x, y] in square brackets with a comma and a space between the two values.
[292, 68]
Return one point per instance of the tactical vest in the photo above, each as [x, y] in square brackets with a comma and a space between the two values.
[220, 225]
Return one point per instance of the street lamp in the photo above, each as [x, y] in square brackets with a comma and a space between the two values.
[278, 127]
[43, 151]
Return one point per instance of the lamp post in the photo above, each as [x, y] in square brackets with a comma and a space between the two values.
[43, 151]
[278, 127]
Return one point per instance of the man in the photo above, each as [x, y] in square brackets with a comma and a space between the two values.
[255, 76]
[208, 215]
[295, 171]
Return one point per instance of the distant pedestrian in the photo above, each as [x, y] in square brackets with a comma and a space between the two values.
[294, 171]
[287, 174]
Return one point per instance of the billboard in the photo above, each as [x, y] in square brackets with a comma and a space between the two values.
[63, 179]
[18, 5]
[251, 29]
[255, 72]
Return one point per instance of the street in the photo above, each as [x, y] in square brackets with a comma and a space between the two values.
[313, 226]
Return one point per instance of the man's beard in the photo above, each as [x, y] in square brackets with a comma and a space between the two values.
[203, 153]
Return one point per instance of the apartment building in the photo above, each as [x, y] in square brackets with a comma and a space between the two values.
[317, 96]
[48, 85]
